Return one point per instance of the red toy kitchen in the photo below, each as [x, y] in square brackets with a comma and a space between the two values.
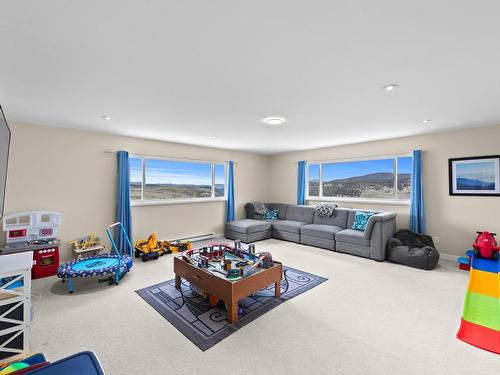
[35, 231]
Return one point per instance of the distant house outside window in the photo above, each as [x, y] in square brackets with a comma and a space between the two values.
[162, 180]
[385, 178]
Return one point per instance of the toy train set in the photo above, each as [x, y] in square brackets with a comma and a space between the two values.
[232, 262]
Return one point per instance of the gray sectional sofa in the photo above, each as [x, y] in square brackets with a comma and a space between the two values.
[301, 224]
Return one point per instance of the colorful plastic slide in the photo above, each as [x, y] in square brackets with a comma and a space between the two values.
[480, 325]
[26, 365]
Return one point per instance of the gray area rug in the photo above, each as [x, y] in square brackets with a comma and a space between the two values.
[205, 325]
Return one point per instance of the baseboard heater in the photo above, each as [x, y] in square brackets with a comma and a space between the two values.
[200, 237]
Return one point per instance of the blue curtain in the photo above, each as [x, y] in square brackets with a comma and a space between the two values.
[301, 182]
[417, 222]
[123, 210]
[230, 193]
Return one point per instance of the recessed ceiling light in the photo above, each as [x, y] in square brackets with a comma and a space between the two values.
[106, 117]
[390, 87]
[213, 137]
[274, 120]
[425, 121]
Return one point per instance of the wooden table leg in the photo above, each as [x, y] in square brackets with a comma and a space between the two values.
[277, 289]
[232, 312]
[177, 281]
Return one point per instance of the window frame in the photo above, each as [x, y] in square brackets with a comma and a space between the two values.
[320, 197]
[154, 202]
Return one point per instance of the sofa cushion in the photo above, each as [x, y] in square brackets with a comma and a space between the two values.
[320, 230]
[279, 206]
[291, 226]
[250, 211]
[352, 236]
[339, 218]
[248, 226]
[352, 214]
[271, 215]
[325, 209]
[361, 220]
[300, 213]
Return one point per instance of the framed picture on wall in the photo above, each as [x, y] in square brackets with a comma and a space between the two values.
[475, 176]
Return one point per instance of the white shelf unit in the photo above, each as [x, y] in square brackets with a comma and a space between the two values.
[15, 305]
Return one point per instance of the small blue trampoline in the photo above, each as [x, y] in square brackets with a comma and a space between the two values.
[99, 265]
[116, 264]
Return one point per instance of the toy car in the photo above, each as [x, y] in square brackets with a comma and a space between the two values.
[151, 248]
[485, 245]
[178, 246]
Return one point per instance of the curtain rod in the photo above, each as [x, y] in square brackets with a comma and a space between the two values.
[171, 157]
[358, 158]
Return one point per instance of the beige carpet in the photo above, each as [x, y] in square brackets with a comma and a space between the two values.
[368, 318]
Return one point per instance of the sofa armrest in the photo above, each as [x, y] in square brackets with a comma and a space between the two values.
[380, 217]
[382, 233]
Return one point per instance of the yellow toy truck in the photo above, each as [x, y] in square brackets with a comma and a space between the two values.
[151, 248]
[178, 246]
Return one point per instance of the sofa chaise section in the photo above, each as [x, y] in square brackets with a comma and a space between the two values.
[248, 230]
[370, 243]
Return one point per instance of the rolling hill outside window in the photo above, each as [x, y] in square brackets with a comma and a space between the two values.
[387, 178]
[154, 180]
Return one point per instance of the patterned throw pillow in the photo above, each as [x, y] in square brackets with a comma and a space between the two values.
[325, 209]
[271, 215]
[361, 219]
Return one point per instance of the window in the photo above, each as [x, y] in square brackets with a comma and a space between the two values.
[387, 178]
[135, 166]
[313, 178]
[169, 180]
[220, 178]
[404, 177]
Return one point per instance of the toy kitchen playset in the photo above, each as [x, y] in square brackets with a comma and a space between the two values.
[34, 231]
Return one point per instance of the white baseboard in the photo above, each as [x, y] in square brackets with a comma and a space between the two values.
[202, 237]
[449, 256]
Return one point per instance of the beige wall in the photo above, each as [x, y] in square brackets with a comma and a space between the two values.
[69, 172]
[453, 219]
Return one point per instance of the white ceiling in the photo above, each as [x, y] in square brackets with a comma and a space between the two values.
[185, 71]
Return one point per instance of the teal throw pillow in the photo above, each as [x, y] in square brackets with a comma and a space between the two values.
[361, 219]
[271, 215]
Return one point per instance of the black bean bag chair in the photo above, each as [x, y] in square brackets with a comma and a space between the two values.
[412, 249]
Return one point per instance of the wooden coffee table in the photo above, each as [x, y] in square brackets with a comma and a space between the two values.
[229, 291]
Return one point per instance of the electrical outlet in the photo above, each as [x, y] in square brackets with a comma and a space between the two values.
[435, 239]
